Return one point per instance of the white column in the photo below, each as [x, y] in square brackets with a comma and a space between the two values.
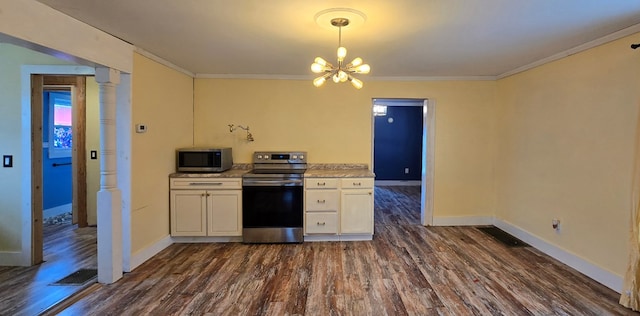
[109, 196]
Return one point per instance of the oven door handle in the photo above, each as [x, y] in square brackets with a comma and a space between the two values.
[273, 183]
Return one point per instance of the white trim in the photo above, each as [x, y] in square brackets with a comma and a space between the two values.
[25, 96]
[310, 77]
[87, 45]
[315, 238]
[55, 211]
[462, 220]
[580, 48]
[355, 237]
[605, 277]
[428, 162]
[164, 62]
[145, 254]
[398, 182]
[11, 258]
[432, 78]
[205, 239]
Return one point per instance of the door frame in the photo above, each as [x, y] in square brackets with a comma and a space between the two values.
[428, 152]
[77, 85]
[32, 243]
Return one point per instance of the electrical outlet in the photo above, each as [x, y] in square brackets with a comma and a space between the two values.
[141, 128]
[406, 170]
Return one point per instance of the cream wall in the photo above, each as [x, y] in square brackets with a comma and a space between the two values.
[162, 99]
[11, 59]
[92, 143]
[566, 135]
[334, 125]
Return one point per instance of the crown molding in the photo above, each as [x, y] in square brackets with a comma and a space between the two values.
[580, 48]
[310, 77]
[163, 61]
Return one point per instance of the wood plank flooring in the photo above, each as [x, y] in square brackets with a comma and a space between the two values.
[407, 269]
[29, 290]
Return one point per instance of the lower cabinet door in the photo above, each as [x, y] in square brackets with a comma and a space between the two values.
[188, 213]
[356, 212]
[321, 223]
[224, 213]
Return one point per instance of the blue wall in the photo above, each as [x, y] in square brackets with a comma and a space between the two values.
[56, 181]
[398, 144]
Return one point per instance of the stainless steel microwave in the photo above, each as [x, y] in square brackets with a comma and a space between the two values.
[203, 159]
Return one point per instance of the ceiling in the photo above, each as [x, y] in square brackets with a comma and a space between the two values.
[403, 38]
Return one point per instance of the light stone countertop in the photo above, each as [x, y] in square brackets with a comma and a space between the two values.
[338, 171]
[313, 171]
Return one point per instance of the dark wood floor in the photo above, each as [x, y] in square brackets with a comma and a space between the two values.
[30, 290]
[407, 269]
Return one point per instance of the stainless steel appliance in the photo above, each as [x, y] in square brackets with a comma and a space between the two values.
[203, 159]
[272, 198]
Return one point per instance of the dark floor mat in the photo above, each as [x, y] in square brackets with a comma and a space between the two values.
[79, 277]
[503, 237]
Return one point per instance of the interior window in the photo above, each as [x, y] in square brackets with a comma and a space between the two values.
[60, 127]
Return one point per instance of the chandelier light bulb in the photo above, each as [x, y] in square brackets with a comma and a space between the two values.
[342, 53]
[335, 78]
[319, 81]
[320, 61]
[342, 76]
[356, 83]
[356, 62]
[317, 68]
[363, 69]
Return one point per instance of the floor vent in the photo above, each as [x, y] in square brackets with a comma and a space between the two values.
[79, 277]
[503, 237]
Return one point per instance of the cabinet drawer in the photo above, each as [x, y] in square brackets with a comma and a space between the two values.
[322, 200]
[321, 183]
[357, 183]
[206, 183]
[322, 223]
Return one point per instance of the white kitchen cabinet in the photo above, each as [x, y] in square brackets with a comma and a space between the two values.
[206, 207]
[188, 212]
[339, 208]
[356, 209]
[322, 201]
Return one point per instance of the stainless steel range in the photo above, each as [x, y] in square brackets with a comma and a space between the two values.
[272, 198]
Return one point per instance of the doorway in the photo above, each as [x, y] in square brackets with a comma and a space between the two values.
[422, 158]
[76, 86]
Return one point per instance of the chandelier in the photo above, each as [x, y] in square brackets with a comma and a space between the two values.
[341, 72]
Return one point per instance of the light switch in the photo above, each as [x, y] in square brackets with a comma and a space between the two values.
[94, 154]
[7, 161]
[141, 128]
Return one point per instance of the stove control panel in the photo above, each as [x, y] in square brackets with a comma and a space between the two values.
[280, 157]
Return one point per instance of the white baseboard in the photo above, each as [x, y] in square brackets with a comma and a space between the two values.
[184, 239]
[462, 220]
[398, 182]
[605, 277]
[11, 258]
[356, 237]
[55, 211]
[145, 254]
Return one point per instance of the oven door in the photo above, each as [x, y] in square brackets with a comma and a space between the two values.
[272, 210]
